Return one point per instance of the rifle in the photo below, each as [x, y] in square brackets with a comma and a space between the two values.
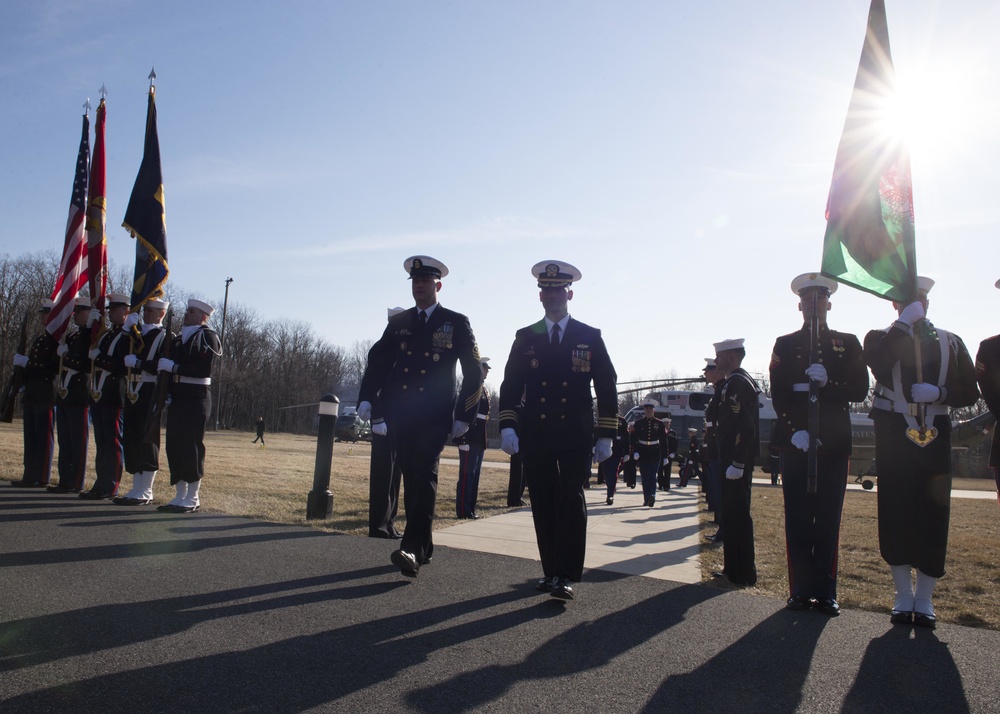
[811, 457]
[161, 390]
[16, 377]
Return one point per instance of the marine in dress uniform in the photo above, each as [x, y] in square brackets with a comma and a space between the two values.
[738, 441]
[40, 367]
[988, 376]
[650, 449]
[663, 480]
[73, 401]
[693, 465]
[812, 520]
[412, 370]
[107, 393]
[471, 448]
[148, 343]
[189, 365]
[710, 454]
[914, 481]
[552, 364]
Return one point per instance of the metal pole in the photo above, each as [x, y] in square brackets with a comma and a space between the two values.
[320, 501]
[222, 357]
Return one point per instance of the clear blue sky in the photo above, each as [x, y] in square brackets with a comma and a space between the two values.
[678, 154]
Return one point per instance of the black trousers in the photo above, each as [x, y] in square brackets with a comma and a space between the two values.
[417, 450]
[559, 508]
[73, 424]
[383, 489]
[110, 452]
[739, 560]
[812, 522]
[38, 443]
[139, 454]
[515, 484]
[186, 419]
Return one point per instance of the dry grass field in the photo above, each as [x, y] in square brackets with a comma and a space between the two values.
[273, 483]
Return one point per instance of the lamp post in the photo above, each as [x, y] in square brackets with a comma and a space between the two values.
[222, 357]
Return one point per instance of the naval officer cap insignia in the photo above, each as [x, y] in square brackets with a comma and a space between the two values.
[924, 283]
[555, 274]
[424, 266]
[47, 304]
[117, 299]
[814, 280]
[81, 303]
[203, 306]
[725, 345]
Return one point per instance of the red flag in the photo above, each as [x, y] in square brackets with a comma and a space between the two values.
[72, 274]
[97, 246]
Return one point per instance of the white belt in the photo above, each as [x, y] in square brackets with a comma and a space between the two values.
[709, 423]
[205, 381]
[800, 387]
[907, 408]
[484, 417]
[648, 443]
[148, 378]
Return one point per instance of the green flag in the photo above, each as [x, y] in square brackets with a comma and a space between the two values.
[869, 242]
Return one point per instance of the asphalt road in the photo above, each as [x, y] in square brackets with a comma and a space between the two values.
[114, 610]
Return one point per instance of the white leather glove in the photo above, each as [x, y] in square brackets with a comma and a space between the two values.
[93, 353]
[459, 428]
[463, 447]
[733, 472]
[817, 373]
[131, 361]
[925, 393]
[626, 457]
[365, 411]
[131, 321]
[913, 312]
[800, 440]
[93, 317]
[508, 441]
[635, 456]
[602, 451]
[666, 461]
[380, 428]
[673, 456]
[20, 360]
[165, 365]
[62, 350]
[170, 398]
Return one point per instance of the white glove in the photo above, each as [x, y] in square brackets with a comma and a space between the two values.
[666, 461]
[131, 361]
[817, 373]
[131, 321]
[800, 440]
[913, 312]
[94, 316]
[925, 393]
[62, 349]
[635, 456]
[626, 457]
[20, 361]
[602, 451]
[463, 447]
[459, 428]
[673, 456]
[508, 441]
[93, 353]
[365, 411]
[170, 398]
[733, 472]
[165, 365]
[380, 428]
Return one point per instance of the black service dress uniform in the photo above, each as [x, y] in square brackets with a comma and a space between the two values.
[190, 402]
[141, 455]
[812, 520]
[73, 411]
[37, 403]
[738, 440]
[412, 370]
[555, 429]
[914, 482]
[107, 393]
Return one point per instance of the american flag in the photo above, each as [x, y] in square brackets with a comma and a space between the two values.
[73, 268]
[97, 246]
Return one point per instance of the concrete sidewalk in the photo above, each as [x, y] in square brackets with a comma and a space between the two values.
[106, 609]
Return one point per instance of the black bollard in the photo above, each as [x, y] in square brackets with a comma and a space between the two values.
[320, 501]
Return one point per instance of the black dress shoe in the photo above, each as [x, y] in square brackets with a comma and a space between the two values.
[406, 562]
[59, 489]
[166, 508]
[93, 495]
[546, 585]
[25, 484]
[714, 538]
[922, 620]
[184, 509]
[652, 502]
[828, 606]
[901, 617]
[610, 501]
[798, 602]
[126, 501]
[562, 590]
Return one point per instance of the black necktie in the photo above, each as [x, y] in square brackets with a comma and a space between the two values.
[423, 319]
[555, 334]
